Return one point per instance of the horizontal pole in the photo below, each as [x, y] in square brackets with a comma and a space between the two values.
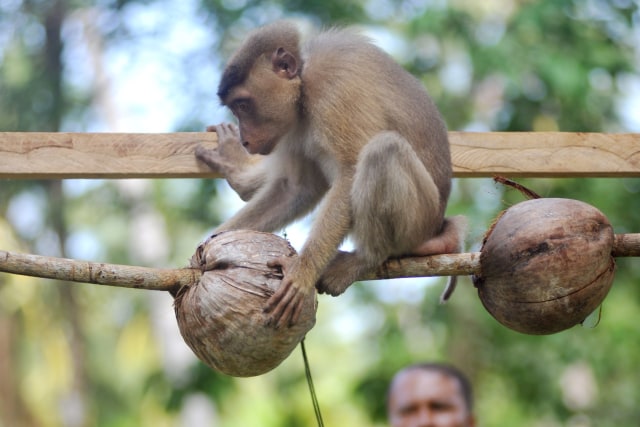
[545, 154]
[127, 276]
[59, 155]
[97, 273]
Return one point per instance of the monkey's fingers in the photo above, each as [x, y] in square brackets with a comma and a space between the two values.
[299, 304]
[293, 309]
[288, 317]
[279, 304]
[211, 158]
[280, 263]
[202, 153]
[211, 128]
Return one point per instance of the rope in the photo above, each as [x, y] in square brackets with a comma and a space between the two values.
[312, 389]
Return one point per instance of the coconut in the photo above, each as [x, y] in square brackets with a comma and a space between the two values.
[546, 265]
[221, 317]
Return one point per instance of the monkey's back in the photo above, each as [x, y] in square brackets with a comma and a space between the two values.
[362, 91]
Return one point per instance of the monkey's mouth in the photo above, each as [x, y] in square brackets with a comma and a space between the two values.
[252, 147]
[249, 147]
[263, 146]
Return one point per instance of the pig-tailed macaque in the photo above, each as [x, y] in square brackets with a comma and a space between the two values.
[333, 120]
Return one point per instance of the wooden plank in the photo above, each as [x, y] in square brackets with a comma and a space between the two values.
[102, 155]
[545, 154]
[121, 155]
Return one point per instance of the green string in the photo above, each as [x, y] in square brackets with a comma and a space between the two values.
[312, 389]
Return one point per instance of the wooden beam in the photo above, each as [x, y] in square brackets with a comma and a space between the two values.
[102, 155]
[27, 155]
[545, 154]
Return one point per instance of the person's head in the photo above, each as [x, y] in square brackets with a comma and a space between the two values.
[430, 395]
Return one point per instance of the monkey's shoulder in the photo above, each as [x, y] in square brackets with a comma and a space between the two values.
[343, 63]
[342, 50]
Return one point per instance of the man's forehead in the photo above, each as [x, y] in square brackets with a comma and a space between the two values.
[423, 384]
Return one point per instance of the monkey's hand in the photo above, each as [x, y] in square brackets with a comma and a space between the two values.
[341, 272]
[231, 160]
[286, 304]
[229, 156]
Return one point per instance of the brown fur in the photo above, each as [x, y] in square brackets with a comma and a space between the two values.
[336, 119]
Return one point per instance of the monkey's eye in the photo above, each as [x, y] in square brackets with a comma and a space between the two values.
[241, 106]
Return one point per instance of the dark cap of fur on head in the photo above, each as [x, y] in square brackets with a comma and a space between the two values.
[263, 41]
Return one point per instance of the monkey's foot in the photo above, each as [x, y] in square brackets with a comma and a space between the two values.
[341, 272]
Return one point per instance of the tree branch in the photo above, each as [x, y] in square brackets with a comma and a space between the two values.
[127, 276]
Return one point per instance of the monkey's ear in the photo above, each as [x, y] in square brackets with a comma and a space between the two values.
[284, 63]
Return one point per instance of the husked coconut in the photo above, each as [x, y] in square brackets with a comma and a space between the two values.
[546, 265]
[221, 317]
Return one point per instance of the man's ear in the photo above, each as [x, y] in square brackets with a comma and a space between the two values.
[284, 63]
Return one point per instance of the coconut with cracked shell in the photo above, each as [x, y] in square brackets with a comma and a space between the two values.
[545, 265]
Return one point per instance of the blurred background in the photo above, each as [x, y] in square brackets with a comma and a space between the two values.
[83, 355]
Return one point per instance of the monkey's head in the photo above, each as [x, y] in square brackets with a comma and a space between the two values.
[261, 85]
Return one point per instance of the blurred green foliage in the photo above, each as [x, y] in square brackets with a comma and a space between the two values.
[80, 355]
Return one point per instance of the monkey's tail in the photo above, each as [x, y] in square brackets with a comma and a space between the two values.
[448, 290]
[459, 224]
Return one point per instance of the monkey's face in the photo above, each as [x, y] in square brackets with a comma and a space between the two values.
[266, 105]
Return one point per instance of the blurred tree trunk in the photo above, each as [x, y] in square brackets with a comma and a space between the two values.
[53, 59]
[13, 411]
[75, 402]
[76, 399]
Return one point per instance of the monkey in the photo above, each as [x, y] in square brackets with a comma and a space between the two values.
[334, 122]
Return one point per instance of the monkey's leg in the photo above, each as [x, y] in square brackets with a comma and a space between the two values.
[395, 206]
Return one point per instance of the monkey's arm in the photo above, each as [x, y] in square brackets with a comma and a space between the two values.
[242, 170]
[290, 191]
[301, 273]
